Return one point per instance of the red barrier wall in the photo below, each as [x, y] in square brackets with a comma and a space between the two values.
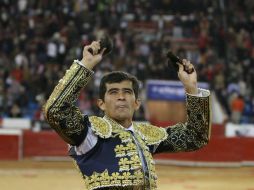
[45, 143]
[10, 147]
[48, 143]
[218, 150]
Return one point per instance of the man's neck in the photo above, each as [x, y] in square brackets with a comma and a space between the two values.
[126, 123]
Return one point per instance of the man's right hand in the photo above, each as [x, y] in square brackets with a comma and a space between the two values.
[90, 60]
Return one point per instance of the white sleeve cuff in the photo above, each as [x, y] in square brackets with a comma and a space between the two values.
[79, 62]
[201, 93]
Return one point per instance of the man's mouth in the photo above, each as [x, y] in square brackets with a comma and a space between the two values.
[122, 106]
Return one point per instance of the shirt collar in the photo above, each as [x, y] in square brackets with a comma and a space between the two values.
[131, 128]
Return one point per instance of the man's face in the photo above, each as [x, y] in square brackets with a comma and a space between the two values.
[119, 101]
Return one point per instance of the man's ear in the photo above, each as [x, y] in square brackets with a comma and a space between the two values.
[101, 104]
[137, 104]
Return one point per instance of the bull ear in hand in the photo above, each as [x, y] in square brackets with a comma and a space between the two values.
[105, 43]
[175, 60]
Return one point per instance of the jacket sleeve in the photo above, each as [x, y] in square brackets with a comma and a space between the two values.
[61, 113]
[193, 134]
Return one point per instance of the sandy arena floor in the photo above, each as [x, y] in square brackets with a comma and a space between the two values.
[34, 175]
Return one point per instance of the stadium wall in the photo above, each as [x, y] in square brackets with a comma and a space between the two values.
[47, 144]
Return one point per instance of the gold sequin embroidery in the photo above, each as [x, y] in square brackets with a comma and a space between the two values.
[100, 127]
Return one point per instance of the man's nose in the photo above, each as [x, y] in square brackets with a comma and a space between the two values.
[121, 96]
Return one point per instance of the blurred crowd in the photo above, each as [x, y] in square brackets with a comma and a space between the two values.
[40, 39]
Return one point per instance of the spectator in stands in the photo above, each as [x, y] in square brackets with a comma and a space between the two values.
[36, 33]
[237, 107]
[15, 111]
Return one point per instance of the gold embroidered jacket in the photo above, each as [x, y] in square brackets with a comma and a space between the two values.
[115, 162]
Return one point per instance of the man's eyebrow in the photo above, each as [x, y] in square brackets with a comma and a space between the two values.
[128, 89]
[111, 89]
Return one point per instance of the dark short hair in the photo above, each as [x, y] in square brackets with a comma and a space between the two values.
[117, 77]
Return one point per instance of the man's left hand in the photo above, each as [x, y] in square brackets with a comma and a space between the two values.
[189, 80]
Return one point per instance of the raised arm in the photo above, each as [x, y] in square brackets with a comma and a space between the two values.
[60, 112]
[195, 133]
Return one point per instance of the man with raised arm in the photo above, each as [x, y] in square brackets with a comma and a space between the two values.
[114, 152]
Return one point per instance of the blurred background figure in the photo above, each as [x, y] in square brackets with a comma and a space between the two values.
[41, 37]
[237, 106]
